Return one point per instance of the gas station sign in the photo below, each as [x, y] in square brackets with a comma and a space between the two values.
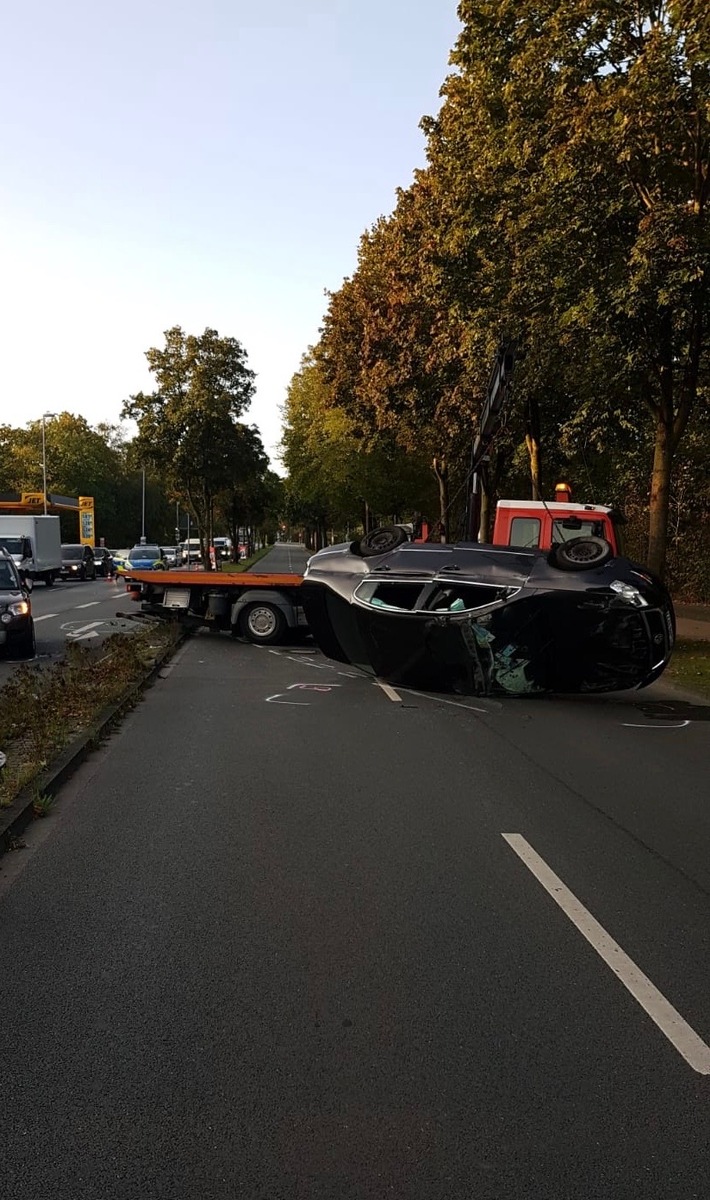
[86, 520]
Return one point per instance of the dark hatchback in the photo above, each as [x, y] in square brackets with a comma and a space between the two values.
[77, 562]
[485, 620]
[17, 631]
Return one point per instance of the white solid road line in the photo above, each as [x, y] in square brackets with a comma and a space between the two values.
[679, 1033]
[389, 691]
[89, 605]
[46, 617]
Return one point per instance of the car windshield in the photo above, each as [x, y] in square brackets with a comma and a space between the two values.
[72, 551]
[8, 579]
[138, 553]
[13, 545]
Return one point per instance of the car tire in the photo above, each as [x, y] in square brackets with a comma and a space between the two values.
[262, 623]
[581, 554]
[379, 541]
[25, 646]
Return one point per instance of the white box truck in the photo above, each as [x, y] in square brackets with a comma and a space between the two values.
[35, 544]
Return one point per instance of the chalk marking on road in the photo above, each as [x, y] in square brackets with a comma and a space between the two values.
[276, 699]
[389, 691]
[89, 605]
[314, 687]
[679, 725]
[679, 1033]
[46, 617]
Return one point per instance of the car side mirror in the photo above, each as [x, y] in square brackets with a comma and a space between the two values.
[27, 585]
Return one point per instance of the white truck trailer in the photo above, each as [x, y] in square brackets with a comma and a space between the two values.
[35, 543]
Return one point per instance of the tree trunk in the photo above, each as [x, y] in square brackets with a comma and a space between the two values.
[441, 469]
[366, 518]
[660, 493]
[532, 441]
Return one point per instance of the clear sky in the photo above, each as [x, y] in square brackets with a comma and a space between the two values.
[194, 162]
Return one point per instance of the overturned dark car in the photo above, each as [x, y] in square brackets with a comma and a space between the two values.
[487, 620]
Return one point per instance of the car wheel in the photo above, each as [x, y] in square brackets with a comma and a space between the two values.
[26, 646]
[262, 623]
[581, 554]
[379, 541]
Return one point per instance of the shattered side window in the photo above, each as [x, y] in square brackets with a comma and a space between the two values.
[525, 531]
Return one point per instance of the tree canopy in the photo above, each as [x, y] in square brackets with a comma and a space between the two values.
[563, 204]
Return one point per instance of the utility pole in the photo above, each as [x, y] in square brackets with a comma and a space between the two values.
[44, 460]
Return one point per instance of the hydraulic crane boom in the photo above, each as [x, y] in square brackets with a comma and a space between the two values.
[498, 392]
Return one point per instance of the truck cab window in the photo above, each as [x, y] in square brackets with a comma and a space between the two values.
[525, 531]
[565, 533]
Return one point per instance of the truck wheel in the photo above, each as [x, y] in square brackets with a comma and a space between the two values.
[49, 579]
[379, 541]
[581, 554]
[262, 623]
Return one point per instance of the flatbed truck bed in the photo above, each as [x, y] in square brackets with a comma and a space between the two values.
[261, 607]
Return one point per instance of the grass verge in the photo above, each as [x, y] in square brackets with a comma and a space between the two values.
[247, 563]
[43, 709]
[690, 666]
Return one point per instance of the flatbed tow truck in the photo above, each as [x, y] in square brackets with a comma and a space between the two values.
[263, 608]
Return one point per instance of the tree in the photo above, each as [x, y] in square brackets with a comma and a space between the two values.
[338, 478]
[581, 131]
[82, 461]
[187, 428]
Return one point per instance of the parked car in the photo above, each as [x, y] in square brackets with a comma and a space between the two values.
[102, 560]
[484, 620]
[170, 556]
[17, 630]
[77, 562]
[145, 558]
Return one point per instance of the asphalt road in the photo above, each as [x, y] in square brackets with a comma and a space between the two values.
[76, 611]
[281, 940]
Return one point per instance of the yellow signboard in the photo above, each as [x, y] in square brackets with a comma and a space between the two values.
[33, 498]
[86, 520]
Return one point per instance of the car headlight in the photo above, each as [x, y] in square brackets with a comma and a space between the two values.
[19, 609]
[629, 593]
[74, 567]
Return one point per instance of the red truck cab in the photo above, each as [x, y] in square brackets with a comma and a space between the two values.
[536, 523]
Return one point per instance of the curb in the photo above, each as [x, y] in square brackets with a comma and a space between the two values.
[67, 762]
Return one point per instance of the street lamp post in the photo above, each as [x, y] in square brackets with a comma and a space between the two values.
[44, 460]
[143, 513]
